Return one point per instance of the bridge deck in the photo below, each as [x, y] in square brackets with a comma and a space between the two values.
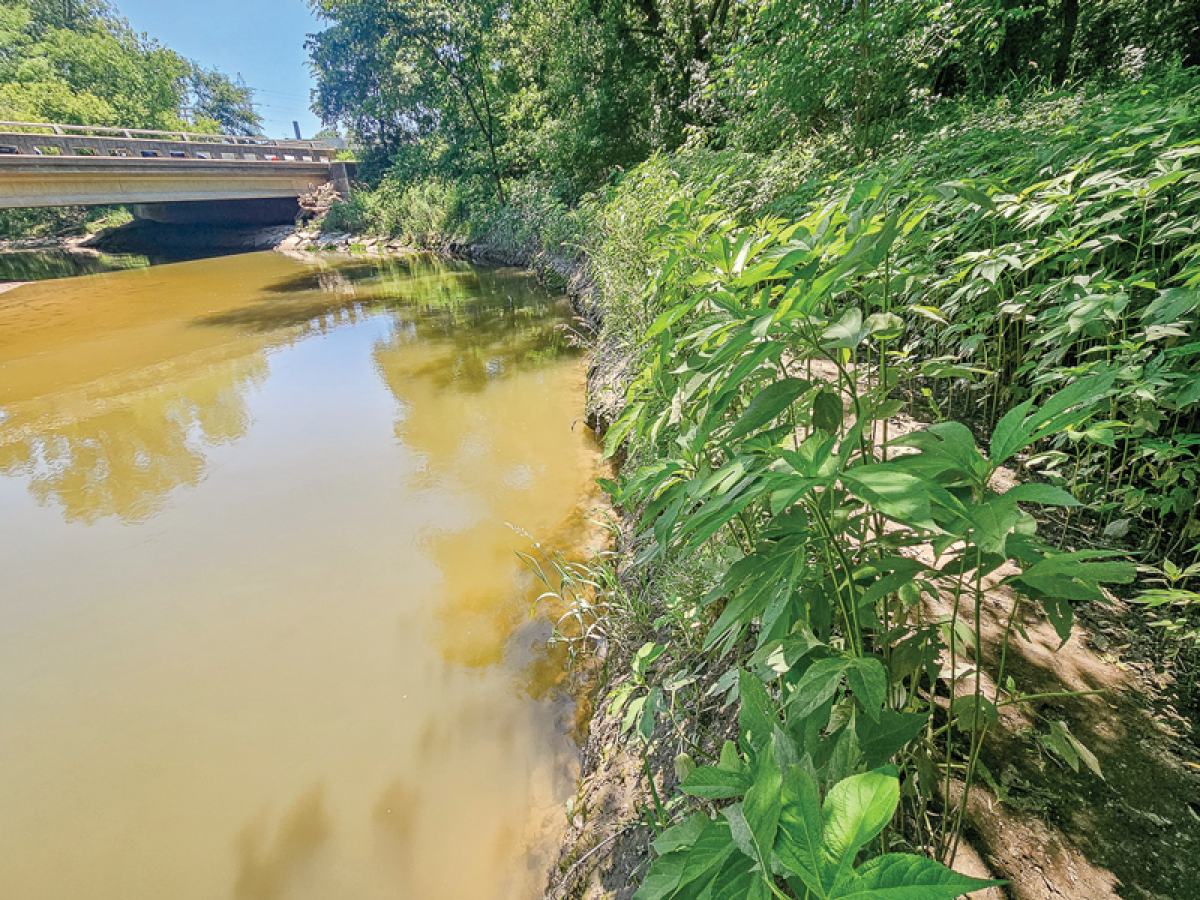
[67, 169]
[27, 181]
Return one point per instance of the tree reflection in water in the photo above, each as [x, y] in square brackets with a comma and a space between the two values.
[123, 455]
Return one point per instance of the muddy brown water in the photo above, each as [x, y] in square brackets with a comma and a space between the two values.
[263, 633]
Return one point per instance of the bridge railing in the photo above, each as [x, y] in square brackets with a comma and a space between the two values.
[110, 131]
[81, 142]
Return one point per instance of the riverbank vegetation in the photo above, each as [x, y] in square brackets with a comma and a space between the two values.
[899, 322]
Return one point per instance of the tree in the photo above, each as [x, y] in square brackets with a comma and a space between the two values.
[395, 71]
[213, 96]
[75, 61]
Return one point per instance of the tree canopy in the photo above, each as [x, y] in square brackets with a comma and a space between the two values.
[576, 89]
[77, 62]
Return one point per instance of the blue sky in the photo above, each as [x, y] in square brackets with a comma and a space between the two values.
[264, 41]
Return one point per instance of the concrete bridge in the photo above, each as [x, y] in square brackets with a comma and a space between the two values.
[164, 176]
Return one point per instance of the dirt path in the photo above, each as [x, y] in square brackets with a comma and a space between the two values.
[1055, 833]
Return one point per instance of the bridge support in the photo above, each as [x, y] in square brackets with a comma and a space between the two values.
[266, 211]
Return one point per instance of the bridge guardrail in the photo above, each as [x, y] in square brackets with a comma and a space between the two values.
[108, 131]
[45, 139]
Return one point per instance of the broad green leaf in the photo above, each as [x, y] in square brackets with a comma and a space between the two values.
[902, 876]
[633, 713]
[1166, 179]
[1045, 494]
[730, 760]
[1071, 403]
[739, 830]
[1189, 393]
[1088, 757]
[713, 783]
[885, 326]
[827, 411]
[1171, 306]
[816, 686]
[1060, 614]
[971, 194]
[880, 741]
[1058, 741]
[767, 404]
[1082, 564]
[645, 656]
[1010, 434]
[799, 842]
[682, 835]
[903, 573]
[739, 881]
[895, 493]
[951, 444]
[1071, 576]
[719, 511]
[1068, 408]
[746, 604]
[992, 521]
[843, 757]
[971, 712]
[848, 332]
[707, 855]
[663, 878]
[756, 715]
[761, 805]
[868, 680]
[855, 810]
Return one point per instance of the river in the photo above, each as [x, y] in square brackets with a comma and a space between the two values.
[263, 631]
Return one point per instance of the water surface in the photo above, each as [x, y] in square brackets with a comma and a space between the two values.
[263, 634]
[41, 265]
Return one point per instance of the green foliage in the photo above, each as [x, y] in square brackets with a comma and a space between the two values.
[24, 223]
[426, 215]
[78, 63]
[1178, 609]
[759, 414]
[578, 91]
[779, 836]
[216, 99]
[803, 219]
[1174, 610]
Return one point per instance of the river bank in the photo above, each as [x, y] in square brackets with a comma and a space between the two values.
[1050, 837]
[1049, 831]
[66, 244]
[1065, 835]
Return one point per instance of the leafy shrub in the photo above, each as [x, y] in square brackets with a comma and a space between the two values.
[742, 442]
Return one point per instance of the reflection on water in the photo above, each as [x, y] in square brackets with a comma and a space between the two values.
[42, 265]
[265, 635]
[122, 456]
[264, 871]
